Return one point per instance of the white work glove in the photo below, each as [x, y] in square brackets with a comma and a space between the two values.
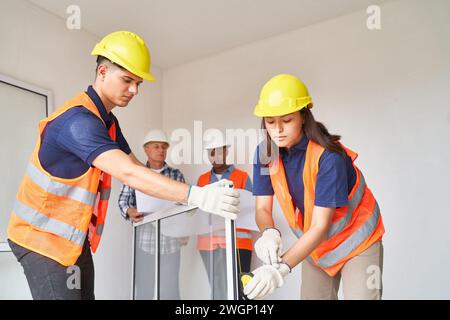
[219, 198]
[268, 247]
[265, 280]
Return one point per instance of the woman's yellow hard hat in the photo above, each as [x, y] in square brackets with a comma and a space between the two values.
[128, 50]
[281, 95]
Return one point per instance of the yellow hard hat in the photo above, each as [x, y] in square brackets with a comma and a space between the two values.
[128, 50]
[281, 95]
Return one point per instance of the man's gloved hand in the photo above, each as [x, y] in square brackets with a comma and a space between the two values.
[265, 280]
[268, 247]
[217, 198]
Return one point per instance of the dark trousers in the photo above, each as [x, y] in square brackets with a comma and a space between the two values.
[49, 280]
[216, 260]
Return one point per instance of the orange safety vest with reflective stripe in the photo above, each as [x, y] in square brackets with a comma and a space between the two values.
[218, 239]
[52, 215]
[354, 227]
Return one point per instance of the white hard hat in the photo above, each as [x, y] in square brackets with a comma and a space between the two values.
[214, 139]
[155, 135]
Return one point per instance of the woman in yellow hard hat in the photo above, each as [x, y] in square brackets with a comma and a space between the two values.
[324, 199]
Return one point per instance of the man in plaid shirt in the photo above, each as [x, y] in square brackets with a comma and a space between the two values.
[155, 147]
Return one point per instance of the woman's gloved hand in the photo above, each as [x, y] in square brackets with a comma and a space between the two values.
[265, 280]
[268, 247]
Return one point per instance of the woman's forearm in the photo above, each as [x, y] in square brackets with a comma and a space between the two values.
[263, 214]
[303, 247]
[264, 219]
[311, 239]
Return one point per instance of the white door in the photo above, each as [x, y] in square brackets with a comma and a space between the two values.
[21, 107]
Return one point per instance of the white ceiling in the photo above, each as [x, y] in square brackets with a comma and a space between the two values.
[178, 31]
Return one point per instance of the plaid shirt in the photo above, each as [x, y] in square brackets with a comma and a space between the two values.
[146, 234]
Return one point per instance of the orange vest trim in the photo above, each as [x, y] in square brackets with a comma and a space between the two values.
[354, 227]
[238, 177]
[51, 215]
[217, 238]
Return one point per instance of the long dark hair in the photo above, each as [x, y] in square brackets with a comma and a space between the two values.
[314, 130]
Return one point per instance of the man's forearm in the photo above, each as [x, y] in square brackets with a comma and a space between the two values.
[121, 166]
[157, 185]
[136, 160]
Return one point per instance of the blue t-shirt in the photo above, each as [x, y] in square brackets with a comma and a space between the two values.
[72, 141]
[335, 179]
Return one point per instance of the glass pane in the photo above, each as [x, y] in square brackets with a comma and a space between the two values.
[213, 253]
[193, 261]
[189, 238]
[144, 264]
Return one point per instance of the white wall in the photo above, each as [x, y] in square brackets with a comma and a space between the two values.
[38, 48]
[386, 92]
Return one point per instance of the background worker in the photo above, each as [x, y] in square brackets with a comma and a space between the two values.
[61, 205]
[212, 246]
[155, 146]
[323, 196]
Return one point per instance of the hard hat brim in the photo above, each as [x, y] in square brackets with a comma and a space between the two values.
[99, 51]
[277, 112]
[149, 141]
[217, 146]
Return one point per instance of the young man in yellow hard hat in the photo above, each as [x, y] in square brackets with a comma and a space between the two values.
[155, 146]
[61, 204]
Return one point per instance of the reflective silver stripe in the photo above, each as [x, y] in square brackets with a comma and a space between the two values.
[99, 229]
[60, 189]
[352, 242]
[243, 235]
[338, 226]
[42, 221]
[239, 234]
[298, 233]
[104, 194]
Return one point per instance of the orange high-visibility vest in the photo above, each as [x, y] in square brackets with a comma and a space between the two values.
[52, 215]
[218, 239]
[354, 227]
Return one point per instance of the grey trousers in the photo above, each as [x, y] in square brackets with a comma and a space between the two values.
[361, 278]
[49, 280]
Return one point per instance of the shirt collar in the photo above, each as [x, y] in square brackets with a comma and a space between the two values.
[165, 166]
[299, 147]
[107, 117]
[225, 173]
